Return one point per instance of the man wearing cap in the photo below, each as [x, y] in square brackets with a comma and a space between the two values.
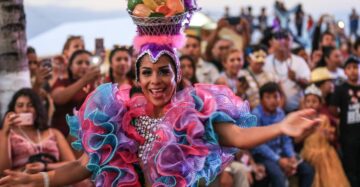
[255, 75]
[291, 70]
[346, 100]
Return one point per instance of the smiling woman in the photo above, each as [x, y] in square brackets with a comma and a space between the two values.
[160, 137]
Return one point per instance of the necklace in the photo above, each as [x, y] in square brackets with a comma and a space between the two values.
[29, 139]
[289, 64]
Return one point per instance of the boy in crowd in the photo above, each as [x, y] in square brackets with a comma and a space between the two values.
[278, 155]
[345, 103]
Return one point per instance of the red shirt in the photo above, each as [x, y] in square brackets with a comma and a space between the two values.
[59, 117]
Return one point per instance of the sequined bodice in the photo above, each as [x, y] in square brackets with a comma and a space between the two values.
[146, 127]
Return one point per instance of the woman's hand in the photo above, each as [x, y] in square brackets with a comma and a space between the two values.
[11, 119]
[299, 123]
[92, 74]
[35, 167]
[14, 179]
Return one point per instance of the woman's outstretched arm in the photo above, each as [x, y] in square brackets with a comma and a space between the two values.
[295, 125]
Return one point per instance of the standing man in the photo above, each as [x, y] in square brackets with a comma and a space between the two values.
[291, 70]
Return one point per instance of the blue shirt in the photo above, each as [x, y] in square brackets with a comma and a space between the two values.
[277, 147]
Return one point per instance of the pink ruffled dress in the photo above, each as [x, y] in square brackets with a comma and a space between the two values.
[178, 149]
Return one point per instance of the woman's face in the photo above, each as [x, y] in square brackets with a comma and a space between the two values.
[312, 102]
[121, 62]
[23, 104]
[327, 87]
[80, 65]
[187, 69]
[157, 80]
[75, 45]
[234, 63]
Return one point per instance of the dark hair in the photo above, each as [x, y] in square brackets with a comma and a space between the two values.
[253, 48]
[326, 33]
[326, 54]
[298, 50]
[270, 87]
[351, 60]
[30, 50]
[41, 118]
[357, 43]
[71, 61]
[112, 54]
[68, 42]
[193, 65]
[141, 58]
[197, 38]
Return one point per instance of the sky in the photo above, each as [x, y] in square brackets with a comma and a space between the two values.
[314, 6]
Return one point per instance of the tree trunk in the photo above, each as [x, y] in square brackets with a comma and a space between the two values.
[14, 71]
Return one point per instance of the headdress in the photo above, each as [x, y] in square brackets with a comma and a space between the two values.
[160, 25]
[313, 90]
[321, 74]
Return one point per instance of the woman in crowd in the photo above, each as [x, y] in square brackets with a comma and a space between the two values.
[31, 146]
[233, 61]
[120, 66]
[71, 92]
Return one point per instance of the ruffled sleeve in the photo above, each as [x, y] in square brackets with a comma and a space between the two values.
[187, 148]
[97, 127]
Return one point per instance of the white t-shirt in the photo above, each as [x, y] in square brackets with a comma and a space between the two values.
[292, 90]
[206, 72]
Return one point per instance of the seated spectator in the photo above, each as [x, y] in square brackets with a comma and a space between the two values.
[317, 149]
[205, 71]
[278, 155]
[70, 93]
[188, 69]
[233, 61]
[323, 79]
[215, 51]
[254, 74]
[241, 172]
[27, 143]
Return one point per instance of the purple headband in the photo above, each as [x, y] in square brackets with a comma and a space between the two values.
[155, 51]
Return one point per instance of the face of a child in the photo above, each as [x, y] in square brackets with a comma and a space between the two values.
[352, 72]
[270, 101]
[312, 102]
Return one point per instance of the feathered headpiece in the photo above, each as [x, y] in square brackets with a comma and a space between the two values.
[160, 26]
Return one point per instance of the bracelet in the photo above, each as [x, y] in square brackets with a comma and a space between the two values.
[46, 179]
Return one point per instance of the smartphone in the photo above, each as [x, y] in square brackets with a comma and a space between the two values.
[99, 46]
[233, 20]
[47, 63]
[26, 119]
[95, 60]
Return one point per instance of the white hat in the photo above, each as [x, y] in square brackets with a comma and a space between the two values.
[314, 90]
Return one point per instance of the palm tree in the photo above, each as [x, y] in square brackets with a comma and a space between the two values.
[14, 72]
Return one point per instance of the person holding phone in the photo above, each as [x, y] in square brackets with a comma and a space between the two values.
[26, 141]
[71, 92]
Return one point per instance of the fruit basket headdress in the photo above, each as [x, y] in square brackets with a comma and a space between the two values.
[160, 25]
